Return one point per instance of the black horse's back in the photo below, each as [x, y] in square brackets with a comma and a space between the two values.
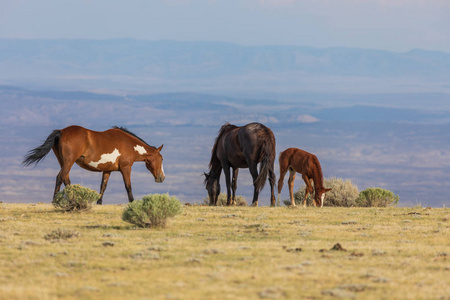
[37, 154]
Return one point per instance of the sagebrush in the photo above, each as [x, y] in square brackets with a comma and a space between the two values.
[377, 197]
[152, 210]
[343, 192]
[75, 197]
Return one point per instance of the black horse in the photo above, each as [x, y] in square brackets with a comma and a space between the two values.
[242, 147]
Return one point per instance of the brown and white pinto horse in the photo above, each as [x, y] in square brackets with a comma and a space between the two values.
[299, 161]
[115, 149]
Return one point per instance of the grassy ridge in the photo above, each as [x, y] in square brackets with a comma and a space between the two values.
[226, 253]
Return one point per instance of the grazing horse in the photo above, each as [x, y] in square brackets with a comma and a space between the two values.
[115, 149]
[242, 147]
[296, 160]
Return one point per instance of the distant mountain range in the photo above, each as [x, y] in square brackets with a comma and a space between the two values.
[215, 62]
[378, 118]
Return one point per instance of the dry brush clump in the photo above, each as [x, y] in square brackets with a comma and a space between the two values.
[345, 194]
[75, 197]
[61, 234]
[152, 210]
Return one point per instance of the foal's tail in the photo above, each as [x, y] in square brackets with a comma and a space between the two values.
[37, 154]
[268, 158]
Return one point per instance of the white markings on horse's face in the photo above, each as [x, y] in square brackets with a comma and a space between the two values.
[161, 176]
[154, 164]
[106, 158]
[321, 199]
[139, 149]
[162, 170]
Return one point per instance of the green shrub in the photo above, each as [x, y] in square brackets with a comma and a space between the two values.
[343, 193]
[152, 211]
[377, 197]
[75, 197]
[222, 200]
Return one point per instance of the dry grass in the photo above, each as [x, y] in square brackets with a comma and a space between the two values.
[226, 253]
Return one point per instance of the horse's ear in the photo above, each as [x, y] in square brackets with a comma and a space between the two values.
[160, 148]
[327, 190]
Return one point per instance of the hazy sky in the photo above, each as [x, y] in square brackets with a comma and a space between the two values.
[397, 25]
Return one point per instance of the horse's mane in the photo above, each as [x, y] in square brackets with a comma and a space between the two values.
[132, 134]
[214, 159]
[319, 171]
[224, 129]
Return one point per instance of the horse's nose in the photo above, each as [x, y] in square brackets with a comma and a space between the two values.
[160, 178]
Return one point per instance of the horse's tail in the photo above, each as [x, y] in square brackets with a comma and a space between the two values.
[268, 158]
[38, 153]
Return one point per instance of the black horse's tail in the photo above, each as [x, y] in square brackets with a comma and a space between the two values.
[267, 159]
[37, 154]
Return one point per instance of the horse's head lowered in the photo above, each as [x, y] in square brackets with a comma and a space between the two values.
[154, 163]
[212, 185]
[320, 196]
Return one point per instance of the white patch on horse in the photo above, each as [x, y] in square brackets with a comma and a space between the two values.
[322, 198]
[140, 149]
[106, 158]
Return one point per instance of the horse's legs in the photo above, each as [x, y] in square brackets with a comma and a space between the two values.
[66, 162]
[283, 172]
[234, 184]
[254, 172]
[308, 189]
[126, 173]
[226, 171]
[291, 186]
[57, 184]
[272, 179]
[62, 177]
[58, 181]
[105, 177]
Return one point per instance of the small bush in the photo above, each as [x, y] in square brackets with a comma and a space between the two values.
[222, 200]
[152, 210]
[75, 197]
[343, 193]
[61, 234]
[377, 197]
